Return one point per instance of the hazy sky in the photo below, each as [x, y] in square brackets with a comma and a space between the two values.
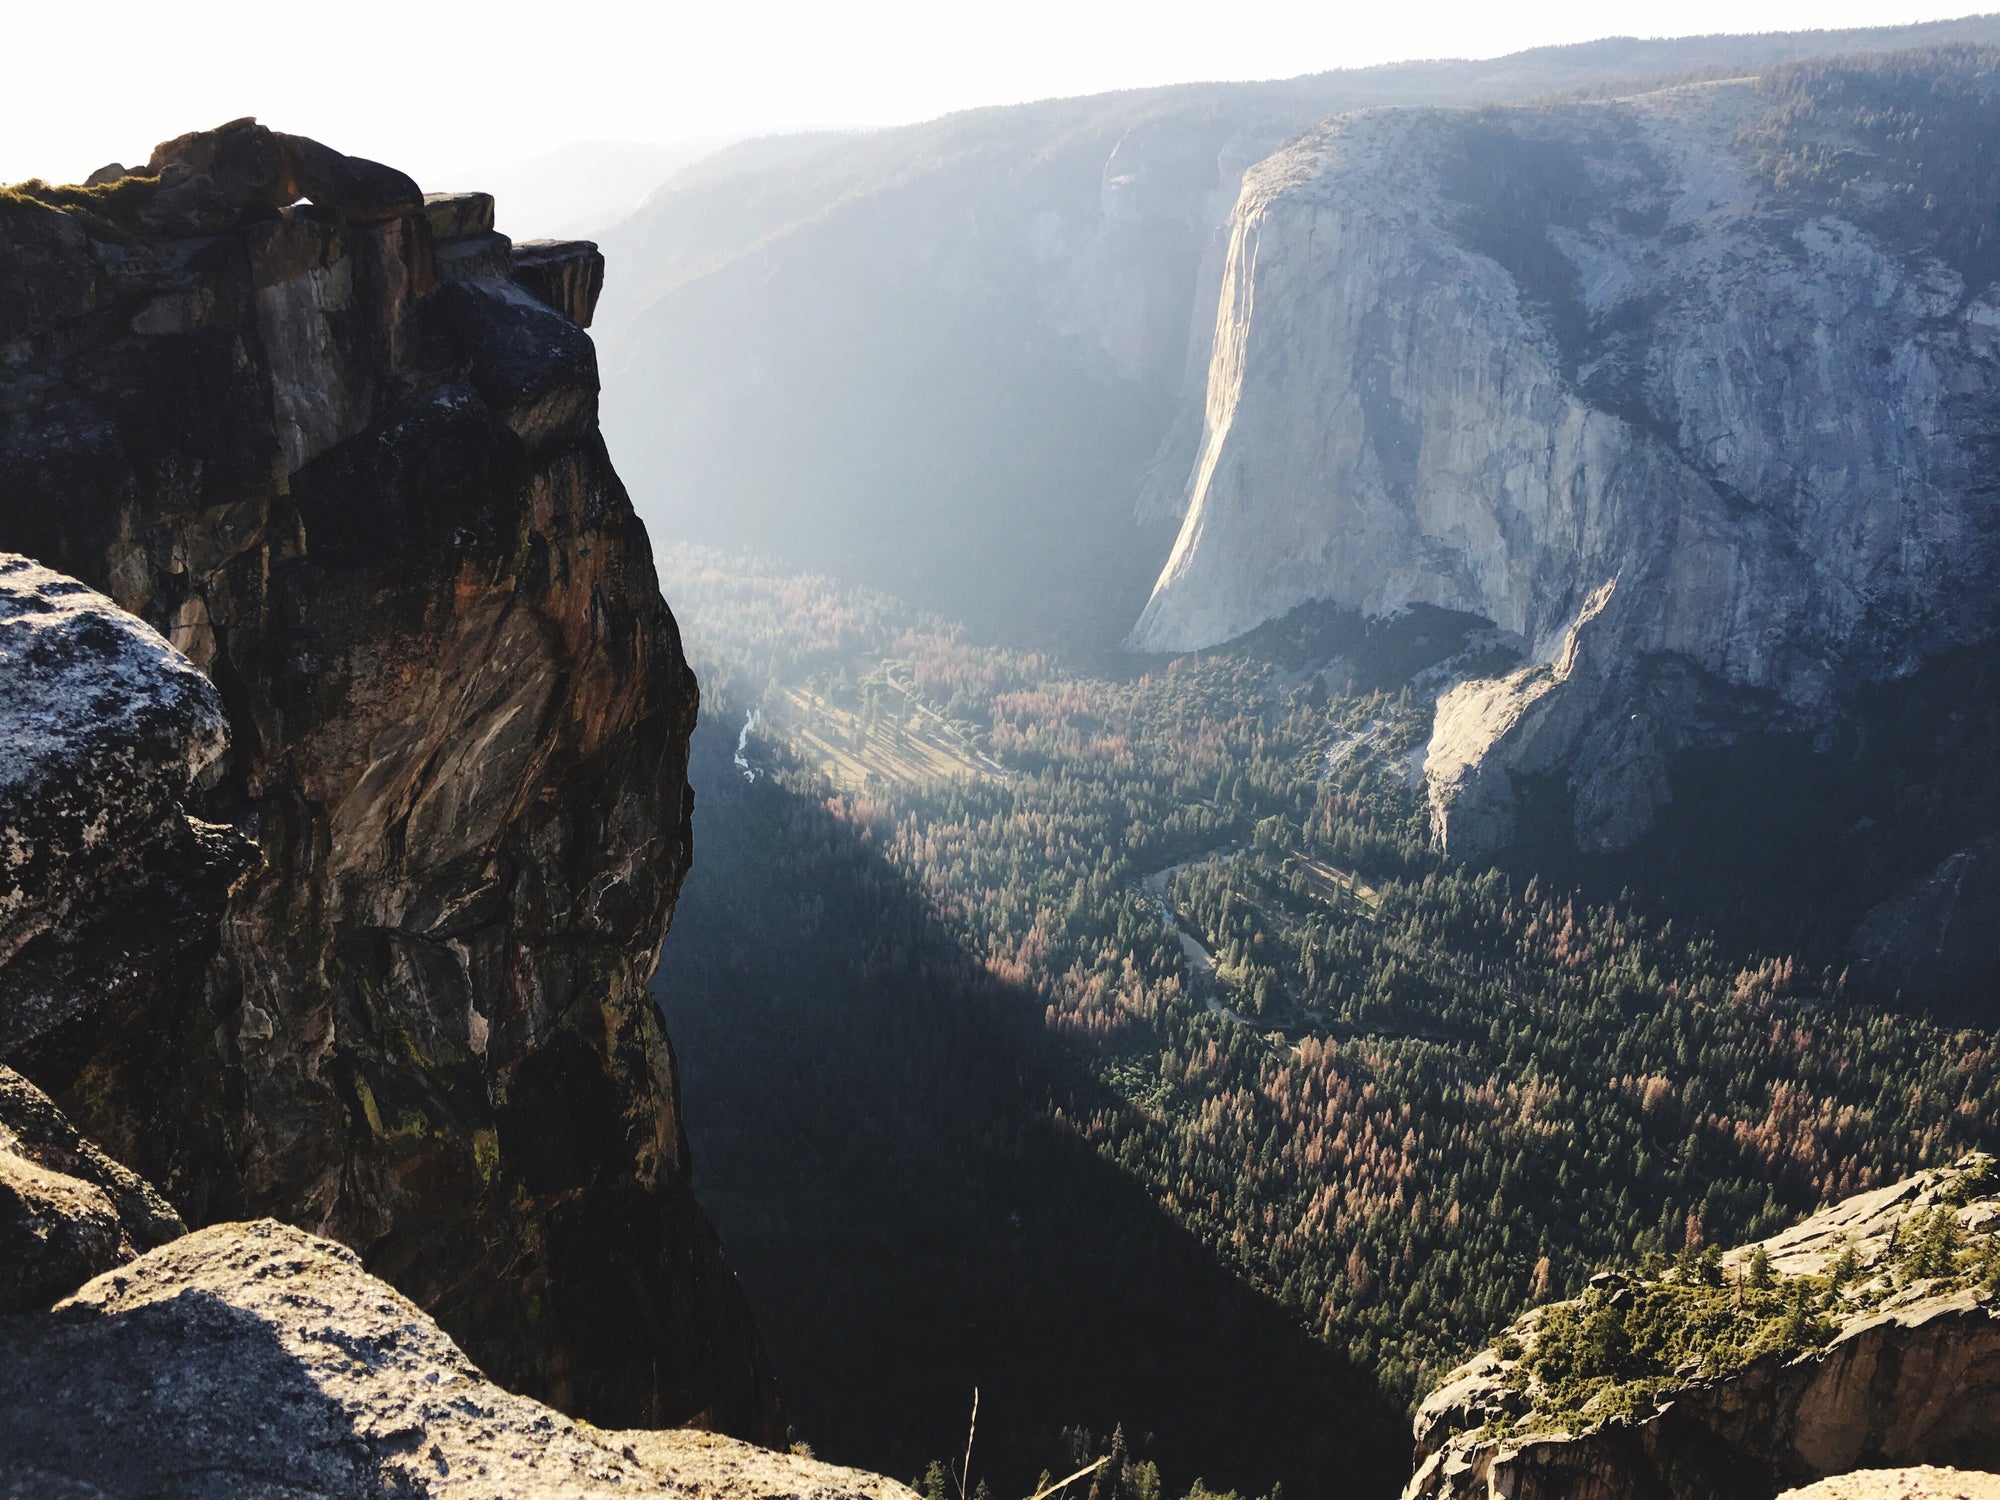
[431, 87]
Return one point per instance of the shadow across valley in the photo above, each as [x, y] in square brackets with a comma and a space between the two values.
[879, 1129]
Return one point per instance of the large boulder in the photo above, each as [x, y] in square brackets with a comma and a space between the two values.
[566, 274]
[253, 165]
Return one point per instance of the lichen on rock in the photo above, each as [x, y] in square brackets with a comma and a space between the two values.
[103, 729]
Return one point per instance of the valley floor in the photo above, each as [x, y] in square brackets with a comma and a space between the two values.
[1007, 978]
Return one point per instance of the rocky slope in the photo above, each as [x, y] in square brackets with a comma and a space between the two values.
[338, 442]
[1692, 392]
[984, 338]
[1866, 1336]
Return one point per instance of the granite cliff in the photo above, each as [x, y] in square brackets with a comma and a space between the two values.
[137, 1358]
[337, 442]
[274, 1364]
[985, 337]
[1691, 393]
[1865, 1336]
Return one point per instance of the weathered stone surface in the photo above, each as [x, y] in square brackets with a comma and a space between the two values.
[373, 507]
[67, 1211]
[535, 368]
[720, 1467]
[455, 216]
[1547, 367]
[103, 728]
[479, 257]
[1911, 1378]
[46, 276]
[566, 274]
[1921, 1483]
[257, 1359]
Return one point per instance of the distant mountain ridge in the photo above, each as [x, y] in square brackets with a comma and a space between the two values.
[949, 359]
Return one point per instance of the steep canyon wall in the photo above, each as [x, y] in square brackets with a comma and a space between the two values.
[338, 442]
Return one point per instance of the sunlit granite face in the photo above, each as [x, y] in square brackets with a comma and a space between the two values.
[1714, 453]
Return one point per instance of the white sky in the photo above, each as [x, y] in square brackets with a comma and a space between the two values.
[430, 86]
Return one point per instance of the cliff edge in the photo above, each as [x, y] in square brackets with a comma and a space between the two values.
[137, 1358]
[337, 442]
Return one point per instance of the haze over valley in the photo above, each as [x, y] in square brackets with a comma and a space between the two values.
[1247, 788]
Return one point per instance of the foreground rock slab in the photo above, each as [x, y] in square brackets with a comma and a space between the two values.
[256, 1359]
[1923, 1483]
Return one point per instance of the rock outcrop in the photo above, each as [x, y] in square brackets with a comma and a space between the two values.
[1894, 1359]
[257, 1359]
[67, 1211]
[1924, 1482]
[103, 729]
[1705, 422]
[306, 424]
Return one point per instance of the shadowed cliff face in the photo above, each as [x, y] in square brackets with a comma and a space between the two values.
[347, 464]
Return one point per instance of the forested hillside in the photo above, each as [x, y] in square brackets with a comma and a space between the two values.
[996, 980]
